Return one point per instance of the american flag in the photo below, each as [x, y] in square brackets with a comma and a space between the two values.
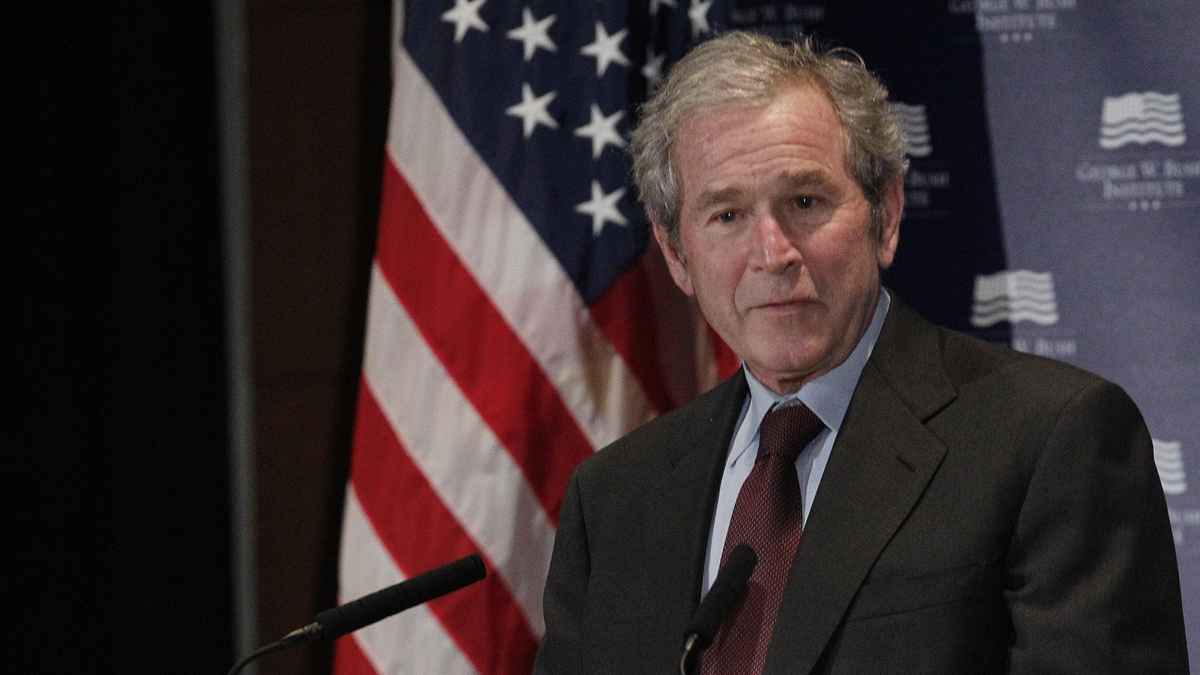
[516, 322]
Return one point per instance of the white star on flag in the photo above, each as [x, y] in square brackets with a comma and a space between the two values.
[465, 16]
[602, 208]
[534, 34]
[698, 13]
[606, 48]
[652, 70]
[533, 110]
[602, 130]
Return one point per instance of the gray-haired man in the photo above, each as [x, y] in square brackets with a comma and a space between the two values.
[960, 508]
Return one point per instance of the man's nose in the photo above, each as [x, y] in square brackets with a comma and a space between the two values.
[774, 251]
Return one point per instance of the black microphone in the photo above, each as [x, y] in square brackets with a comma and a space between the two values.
[336, 622]
[726, 592]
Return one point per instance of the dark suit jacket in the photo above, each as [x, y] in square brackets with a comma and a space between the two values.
[982, 511]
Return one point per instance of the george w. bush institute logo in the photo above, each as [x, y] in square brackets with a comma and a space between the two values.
[915, 128]
[1168, 458]
[1014, 295]
[1141, 118]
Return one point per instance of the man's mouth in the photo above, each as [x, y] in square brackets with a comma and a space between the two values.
[791, 304]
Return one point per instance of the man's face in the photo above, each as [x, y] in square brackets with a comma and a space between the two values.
[774, 238]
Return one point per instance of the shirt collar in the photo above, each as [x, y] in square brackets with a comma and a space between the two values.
[828, 395]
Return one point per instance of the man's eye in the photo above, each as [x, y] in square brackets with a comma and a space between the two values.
[805, 201]
[726, 216]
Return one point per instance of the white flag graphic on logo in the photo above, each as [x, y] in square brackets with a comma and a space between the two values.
[1168, 457]
[1141, 118]
[1014, 295]
[915, 128]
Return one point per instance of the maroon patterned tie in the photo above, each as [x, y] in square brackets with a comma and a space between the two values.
[767, 516]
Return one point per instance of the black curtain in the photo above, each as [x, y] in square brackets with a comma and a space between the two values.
[120, 451]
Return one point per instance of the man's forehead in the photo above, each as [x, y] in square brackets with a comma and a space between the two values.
[785, 180]
[794, 140]
[805, 108]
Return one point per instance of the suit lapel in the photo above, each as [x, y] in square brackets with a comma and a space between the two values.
[680, 513]
[881, 462]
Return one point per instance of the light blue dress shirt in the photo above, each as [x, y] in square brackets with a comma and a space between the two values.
[828, 396]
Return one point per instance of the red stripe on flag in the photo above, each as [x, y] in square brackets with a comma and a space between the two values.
[488, 362]
[420, 534]
[349, 659]
[622, 314]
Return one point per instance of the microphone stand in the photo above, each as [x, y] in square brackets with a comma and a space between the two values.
[685, 658]
[309, 632]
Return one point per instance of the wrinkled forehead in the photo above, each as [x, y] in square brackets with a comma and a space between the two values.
[799, 116]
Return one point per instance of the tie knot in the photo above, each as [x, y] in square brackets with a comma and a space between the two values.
[786, 429]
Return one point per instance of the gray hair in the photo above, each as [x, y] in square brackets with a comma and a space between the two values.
[751, 69]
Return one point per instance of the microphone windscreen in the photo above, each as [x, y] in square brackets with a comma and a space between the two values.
[395, 599]
[726, 592]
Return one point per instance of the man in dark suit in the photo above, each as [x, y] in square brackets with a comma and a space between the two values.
[920, 501]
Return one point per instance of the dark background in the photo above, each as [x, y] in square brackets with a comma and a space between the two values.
[120, 457]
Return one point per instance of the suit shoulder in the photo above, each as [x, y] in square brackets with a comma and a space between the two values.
[660, 439]
[1041, 393]
[971, 362]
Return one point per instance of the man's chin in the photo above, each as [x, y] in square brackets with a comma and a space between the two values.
[787, 369]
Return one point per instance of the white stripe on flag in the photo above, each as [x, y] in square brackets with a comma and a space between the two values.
[509, 260]
[454, 448]
[365, 567]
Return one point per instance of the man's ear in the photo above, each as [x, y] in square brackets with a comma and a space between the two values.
[676, 259]
[889, 231]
